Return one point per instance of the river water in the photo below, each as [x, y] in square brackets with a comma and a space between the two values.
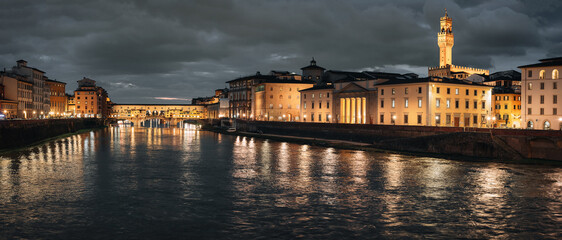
[172, 183]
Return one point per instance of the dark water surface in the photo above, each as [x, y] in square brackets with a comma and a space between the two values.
[138, 183]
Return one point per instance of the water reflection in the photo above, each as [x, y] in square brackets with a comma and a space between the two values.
[177, 182]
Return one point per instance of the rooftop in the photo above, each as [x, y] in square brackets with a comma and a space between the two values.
[547, 62]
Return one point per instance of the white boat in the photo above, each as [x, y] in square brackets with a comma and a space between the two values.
[231, 129]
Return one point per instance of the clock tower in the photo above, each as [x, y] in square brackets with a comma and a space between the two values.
[445, 40]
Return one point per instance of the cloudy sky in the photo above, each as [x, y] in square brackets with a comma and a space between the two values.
[155, 51]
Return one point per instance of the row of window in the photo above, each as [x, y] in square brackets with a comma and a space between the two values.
[319, 95]
[530, 86]
[554, 99]
[319, 118]
[437, 103]
[437, 90]
[288, 106]
[448, 119]
[319, 105]
[281, 96]
[499, 106]
[555, 74]
[541, 111]
[506, 98]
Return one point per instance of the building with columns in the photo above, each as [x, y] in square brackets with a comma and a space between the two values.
[540, 88]
[445, 41]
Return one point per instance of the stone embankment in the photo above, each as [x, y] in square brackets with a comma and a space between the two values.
[500, 144]
[19, 133]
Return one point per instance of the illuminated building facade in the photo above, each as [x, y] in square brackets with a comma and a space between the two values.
[40, 90]
[540, 90]
[90, 100]
[434, 102]
[507, 109]
[317, 104]
[8, 108]
[70, 106]
[18, 89]
[58, 98]
[278, 99]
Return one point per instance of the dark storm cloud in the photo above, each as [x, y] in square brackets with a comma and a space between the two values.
[149, 51]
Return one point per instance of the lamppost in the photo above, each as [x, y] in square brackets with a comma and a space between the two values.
[436, 120]
[34, 114]
[394, 120]
[488, 118]
[494, 122]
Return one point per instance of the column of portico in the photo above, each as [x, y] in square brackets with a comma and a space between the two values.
[347, 110]
[353, 110]
[357, 111]
[364, 110]
[342, 111]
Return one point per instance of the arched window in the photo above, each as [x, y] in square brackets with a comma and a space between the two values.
[555, 74]
[530, 125]
[546, 125]
[541, 74]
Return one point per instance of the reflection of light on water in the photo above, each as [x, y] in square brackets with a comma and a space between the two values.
[304, 163]
[328, 184]
[359, 167]
[47, 172]
[265, 156]
[393, 170]
[283, 157]
[244, 158]
[329, 161]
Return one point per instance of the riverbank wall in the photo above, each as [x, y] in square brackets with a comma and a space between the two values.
[504, 144]
[21, 133]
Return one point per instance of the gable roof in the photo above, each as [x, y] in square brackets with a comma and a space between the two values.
[352, 87]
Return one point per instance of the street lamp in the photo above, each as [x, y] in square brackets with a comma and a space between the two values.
[394, 120]
[436, 119]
